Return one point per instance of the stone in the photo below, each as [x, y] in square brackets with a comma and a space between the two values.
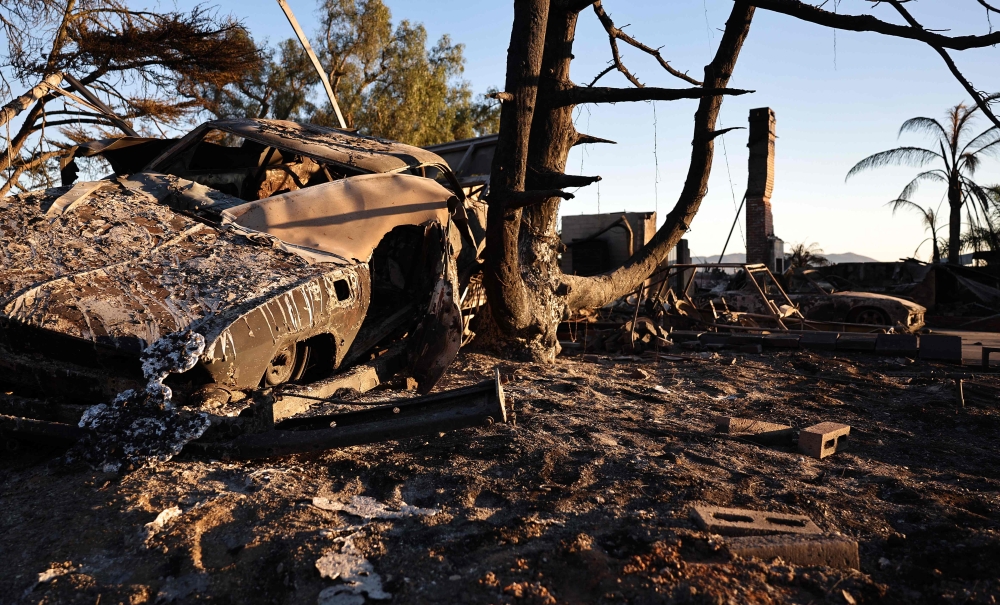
[684, 335]
[941, 347]
[754, 430]
[781, 341]
[856, 342]
[739, 340]
[743, 522]
[823, 439]
[831, 551]
[714, 338]
[898, 345]
[819, 340]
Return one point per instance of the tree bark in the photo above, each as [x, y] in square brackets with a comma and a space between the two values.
[955, 221]
[508, 306]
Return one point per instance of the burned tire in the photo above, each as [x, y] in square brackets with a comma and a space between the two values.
[288, 364]
[869, 316]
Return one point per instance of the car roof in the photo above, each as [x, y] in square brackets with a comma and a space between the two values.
[367, 153]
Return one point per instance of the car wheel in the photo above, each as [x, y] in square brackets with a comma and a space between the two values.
[283, 365]
[869, 316]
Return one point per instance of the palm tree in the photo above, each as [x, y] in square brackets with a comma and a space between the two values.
[804, 256]
[959, 154]
[929, 218]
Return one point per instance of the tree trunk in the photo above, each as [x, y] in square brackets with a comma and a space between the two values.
[527, 293]
[955, 224]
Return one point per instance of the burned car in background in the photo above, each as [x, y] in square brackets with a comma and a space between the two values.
[294, 250]
[751, 296]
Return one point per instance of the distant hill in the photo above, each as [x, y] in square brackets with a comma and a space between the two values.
[740, 257]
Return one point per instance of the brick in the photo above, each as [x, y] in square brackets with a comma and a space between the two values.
[781, 341]
[754, 430]
[819, 340]
[743, 522]
[823, 439]
[941, 347]
[856, 342]
[684, 335]
[904, 345]
[831, 551]
[714, 338]
[738, 340]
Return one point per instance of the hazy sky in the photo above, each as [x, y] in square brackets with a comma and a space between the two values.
[838, 98]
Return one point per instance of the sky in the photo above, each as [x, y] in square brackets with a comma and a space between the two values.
[838, 97]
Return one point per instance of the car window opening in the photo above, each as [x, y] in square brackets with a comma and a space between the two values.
[246, 169]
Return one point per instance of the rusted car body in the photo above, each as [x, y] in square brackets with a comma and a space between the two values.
[293, 249]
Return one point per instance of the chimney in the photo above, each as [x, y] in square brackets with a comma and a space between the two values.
[762, 245]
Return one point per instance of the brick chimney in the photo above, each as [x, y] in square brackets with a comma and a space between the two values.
[760, 182]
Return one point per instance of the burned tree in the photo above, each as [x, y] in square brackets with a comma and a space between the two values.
[527, 294]
[140, 62]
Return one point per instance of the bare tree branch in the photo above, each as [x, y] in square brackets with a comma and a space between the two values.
[868, 23]
[24, 101]
[520, 199]
[582, 94]
[615, 34]
[981, 99]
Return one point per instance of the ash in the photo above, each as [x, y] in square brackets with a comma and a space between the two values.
[140, 428]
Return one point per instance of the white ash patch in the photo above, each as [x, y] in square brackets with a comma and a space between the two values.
[142, 427]
[370, 508]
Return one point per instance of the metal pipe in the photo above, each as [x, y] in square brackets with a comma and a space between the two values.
[478, 405]
[315, 61]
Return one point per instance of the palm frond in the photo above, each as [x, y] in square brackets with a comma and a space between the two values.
[936, 175]
[927, 213]
[989, 136]
[906, 156]
[990, 149]
[970, 162]
[921, 125]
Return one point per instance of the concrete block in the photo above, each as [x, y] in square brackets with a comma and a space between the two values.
[781, 341]
[743, 522]
[856, 342]
[900, 345]
[823, 439]
[819, 340]
[754, 430]
[684, 335]
[714, 338]
[940, 347]
[739, 340]
[830, 551]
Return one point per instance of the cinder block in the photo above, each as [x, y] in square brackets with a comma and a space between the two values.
[904, 345]
[739, 340]
[830, 551]
[941, 347]
[823, 439]
[743, 522]
[754, 430]
[714, 338]
[819, 340]
[856, 342]
[684, 335]
[781, 341]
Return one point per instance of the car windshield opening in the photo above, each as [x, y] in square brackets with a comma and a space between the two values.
[247, 169]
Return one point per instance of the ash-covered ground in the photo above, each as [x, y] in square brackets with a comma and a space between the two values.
[586, 499]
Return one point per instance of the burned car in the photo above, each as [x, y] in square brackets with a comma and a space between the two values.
[754, 297]
[292, 250]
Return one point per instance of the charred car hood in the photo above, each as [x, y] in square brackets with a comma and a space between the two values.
[121, 270]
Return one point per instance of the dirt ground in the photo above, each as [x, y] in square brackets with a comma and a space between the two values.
[585, 499]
